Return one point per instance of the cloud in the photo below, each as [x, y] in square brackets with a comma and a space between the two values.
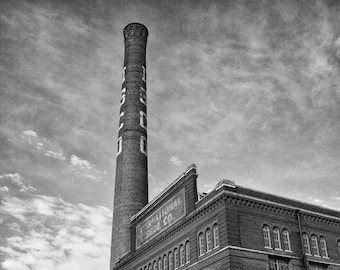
[4, 189]
[14, 265]
[55, 234]
[83, 168]
[16, 181]
[42, 207]
[175, 160]
[35, 144]
[58, 155]
[80, 163]
[30, 133]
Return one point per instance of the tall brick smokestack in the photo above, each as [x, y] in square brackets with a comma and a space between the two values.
[131, 182]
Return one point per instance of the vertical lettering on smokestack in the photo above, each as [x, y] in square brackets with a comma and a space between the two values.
[131, 182]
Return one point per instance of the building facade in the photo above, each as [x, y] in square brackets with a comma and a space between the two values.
[231, 227]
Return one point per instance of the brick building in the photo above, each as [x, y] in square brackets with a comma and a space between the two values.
[231, 227]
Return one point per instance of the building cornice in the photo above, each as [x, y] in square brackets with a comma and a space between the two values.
[238, 199]
[154, 202]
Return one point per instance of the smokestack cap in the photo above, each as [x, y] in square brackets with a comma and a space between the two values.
[135, 30]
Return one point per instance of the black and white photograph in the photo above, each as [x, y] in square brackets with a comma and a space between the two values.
[169, 135]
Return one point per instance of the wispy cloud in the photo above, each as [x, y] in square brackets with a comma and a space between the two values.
[55, 234]
[16, 181]
[175, 160]
[83, 168]
[57, 155]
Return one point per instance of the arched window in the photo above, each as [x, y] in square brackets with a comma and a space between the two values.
[266, 236]
[314, 245]
[208, 239]
[286, 240]
[323, 247]
[339, 246]
[165, 262]
[201, 244]
[171, 261]
[150, 266]
[216, 236]
[154, 265]
[306, 247]
[187, 252]
[276, 238]
[176, 258]
[181, 254]
[160, 264]
[145, 267]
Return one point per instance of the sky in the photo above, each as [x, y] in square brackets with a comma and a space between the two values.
[247, 90]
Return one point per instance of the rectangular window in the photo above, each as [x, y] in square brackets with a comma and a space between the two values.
[142, 119]
[143, 147]
[122, 100]
[144, 74]
[123, 74]
[317, 266]
[142, 96]
[121, 126]
[278, 263]
[120, 145]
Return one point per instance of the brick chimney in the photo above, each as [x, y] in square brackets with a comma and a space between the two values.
[131, 182]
